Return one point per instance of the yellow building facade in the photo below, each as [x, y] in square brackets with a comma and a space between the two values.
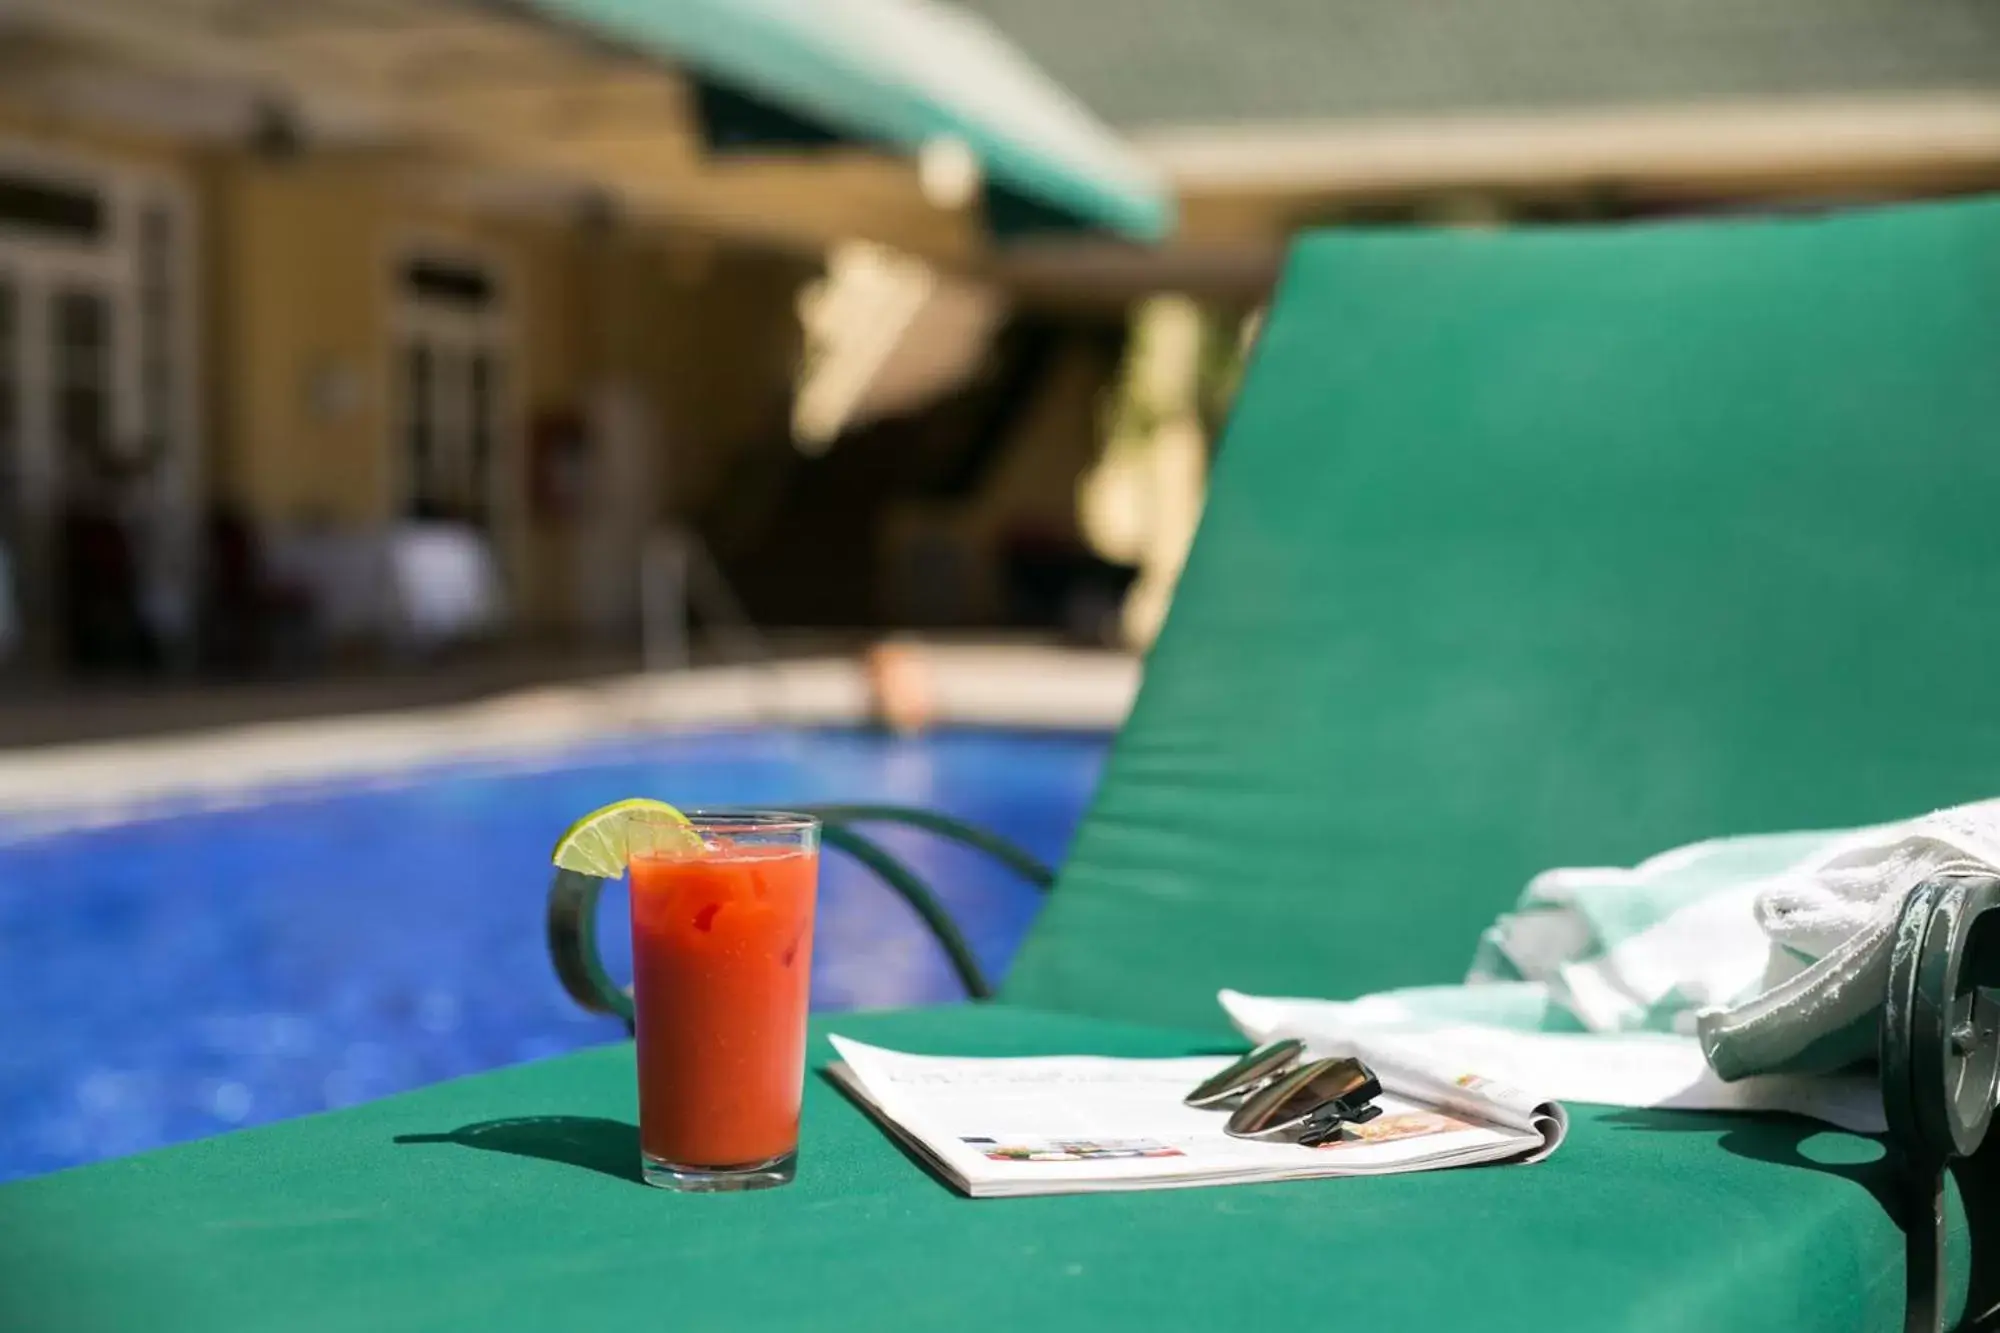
[327, 344]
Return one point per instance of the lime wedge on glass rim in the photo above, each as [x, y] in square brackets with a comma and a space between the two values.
[603, 841]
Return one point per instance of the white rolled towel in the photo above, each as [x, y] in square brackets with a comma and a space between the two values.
[1836, 913]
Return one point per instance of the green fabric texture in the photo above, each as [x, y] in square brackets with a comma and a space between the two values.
[1522, 551]
[900, 73]
[1642, 1221]
[1541, 549]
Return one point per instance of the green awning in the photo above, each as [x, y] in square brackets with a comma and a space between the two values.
[904, 73]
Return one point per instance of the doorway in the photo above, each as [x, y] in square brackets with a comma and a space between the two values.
[96, 467]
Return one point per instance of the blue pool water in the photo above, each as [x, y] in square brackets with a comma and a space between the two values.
[191, 972]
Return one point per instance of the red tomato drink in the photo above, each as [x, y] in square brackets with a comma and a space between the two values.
[721, 960]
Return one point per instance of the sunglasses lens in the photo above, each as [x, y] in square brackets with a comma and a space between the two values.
[1252, 1071]
[1291, 1100]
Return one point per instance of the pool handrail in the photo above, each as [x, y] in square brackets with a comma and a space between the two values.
[572, 902]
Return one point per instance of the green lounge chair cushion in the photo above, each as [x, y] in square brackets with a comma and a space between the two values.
[1522, 550]
[1715, 1223]
[1550, 548]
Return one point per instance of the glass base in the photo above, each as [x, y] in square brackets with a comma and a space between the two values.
[719, 1179]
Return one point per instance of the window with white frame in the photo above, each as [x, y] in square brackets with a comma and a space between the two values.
[451, 376]
[96, 357]
[10, 398]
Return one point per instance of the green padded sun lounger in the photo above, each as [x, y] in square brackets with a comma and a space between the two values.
[1524, 549]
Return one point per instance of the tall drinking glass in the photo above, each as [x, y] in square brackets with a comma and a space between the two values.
[721, 963]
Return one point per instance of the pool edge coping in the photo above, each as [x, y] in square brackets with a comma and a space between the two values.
[54, 788]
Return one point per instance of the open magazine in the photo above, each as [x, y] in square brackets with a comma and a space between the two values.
[1082, 1124]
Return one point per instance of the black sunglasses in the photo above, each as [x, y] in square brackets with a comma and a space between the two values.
[1272, 1096]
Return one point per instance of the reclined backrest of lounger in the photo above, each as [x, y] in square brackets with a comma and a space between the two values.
[1545, 548]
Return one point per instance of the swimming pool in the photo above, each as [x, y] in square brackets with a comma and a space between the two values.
[192, 971]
